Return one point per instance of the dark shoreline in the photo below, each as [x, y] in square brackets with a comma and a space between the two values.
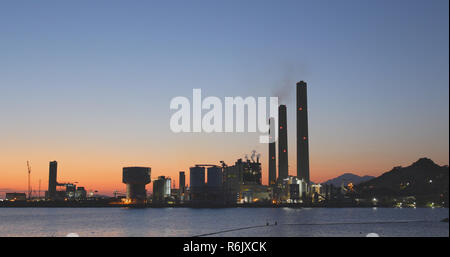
[190, 205]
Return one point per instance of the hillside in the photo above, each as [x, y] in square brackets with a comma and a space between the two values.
[423, 178]
[348, 178]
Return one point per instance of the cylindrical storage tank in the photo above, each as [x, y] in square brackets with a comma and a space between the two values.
[214, 176]
[197, 177]
[197, 180]
[197, 183]
[158, 190]
[167, 187]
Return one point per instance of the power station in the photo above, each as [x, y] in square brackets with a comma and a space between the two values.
[213, 184]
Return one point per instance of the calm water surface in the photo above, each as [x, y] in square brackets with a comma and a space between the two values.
[192, 222]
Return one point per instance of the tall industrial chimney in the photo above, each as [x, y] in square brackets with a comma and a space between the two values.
[52, 175]
[282, 143]
[272, 153]
[302, 132]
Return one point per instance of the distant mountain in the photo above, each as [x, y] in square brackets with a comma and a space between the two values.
[347, 178]
[422, 178]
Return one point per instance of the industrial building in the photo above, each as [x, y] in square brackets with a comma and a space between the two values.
[52, 177]
[80, 193]
[242, 182]
[232, 180]
[206, 192]
[136, 178]
[255, 194]
[70, 193]
[317, 192]
[292, 190]
[15, 197]
[161, 189]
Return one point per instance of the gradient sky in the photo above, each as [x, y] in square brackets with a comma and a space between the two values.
[88, 83]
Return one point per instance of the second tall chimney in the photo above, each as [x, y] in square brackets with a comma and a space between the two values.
[302, 132]
[282, 143]
[272, 153]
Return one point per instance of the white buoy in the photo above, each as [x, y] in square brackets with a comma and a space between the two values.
[72, 235]
[372, 235]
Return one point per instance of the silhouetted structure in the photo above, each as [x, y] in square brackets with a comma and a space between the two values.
[210, 192]
[272, 153]
[242, 181]
[182, 183]
[161, 189]
[80, 193]
[282, 143]
[214, 178]
[302, 132]
[136, 178]
[197, 183]
[16, 197]
[424, 180]
[290, 190]
[214, 184]
[52, 177]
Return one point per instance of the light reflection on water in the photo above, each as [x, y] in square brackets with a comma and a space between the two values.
[191, 222]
